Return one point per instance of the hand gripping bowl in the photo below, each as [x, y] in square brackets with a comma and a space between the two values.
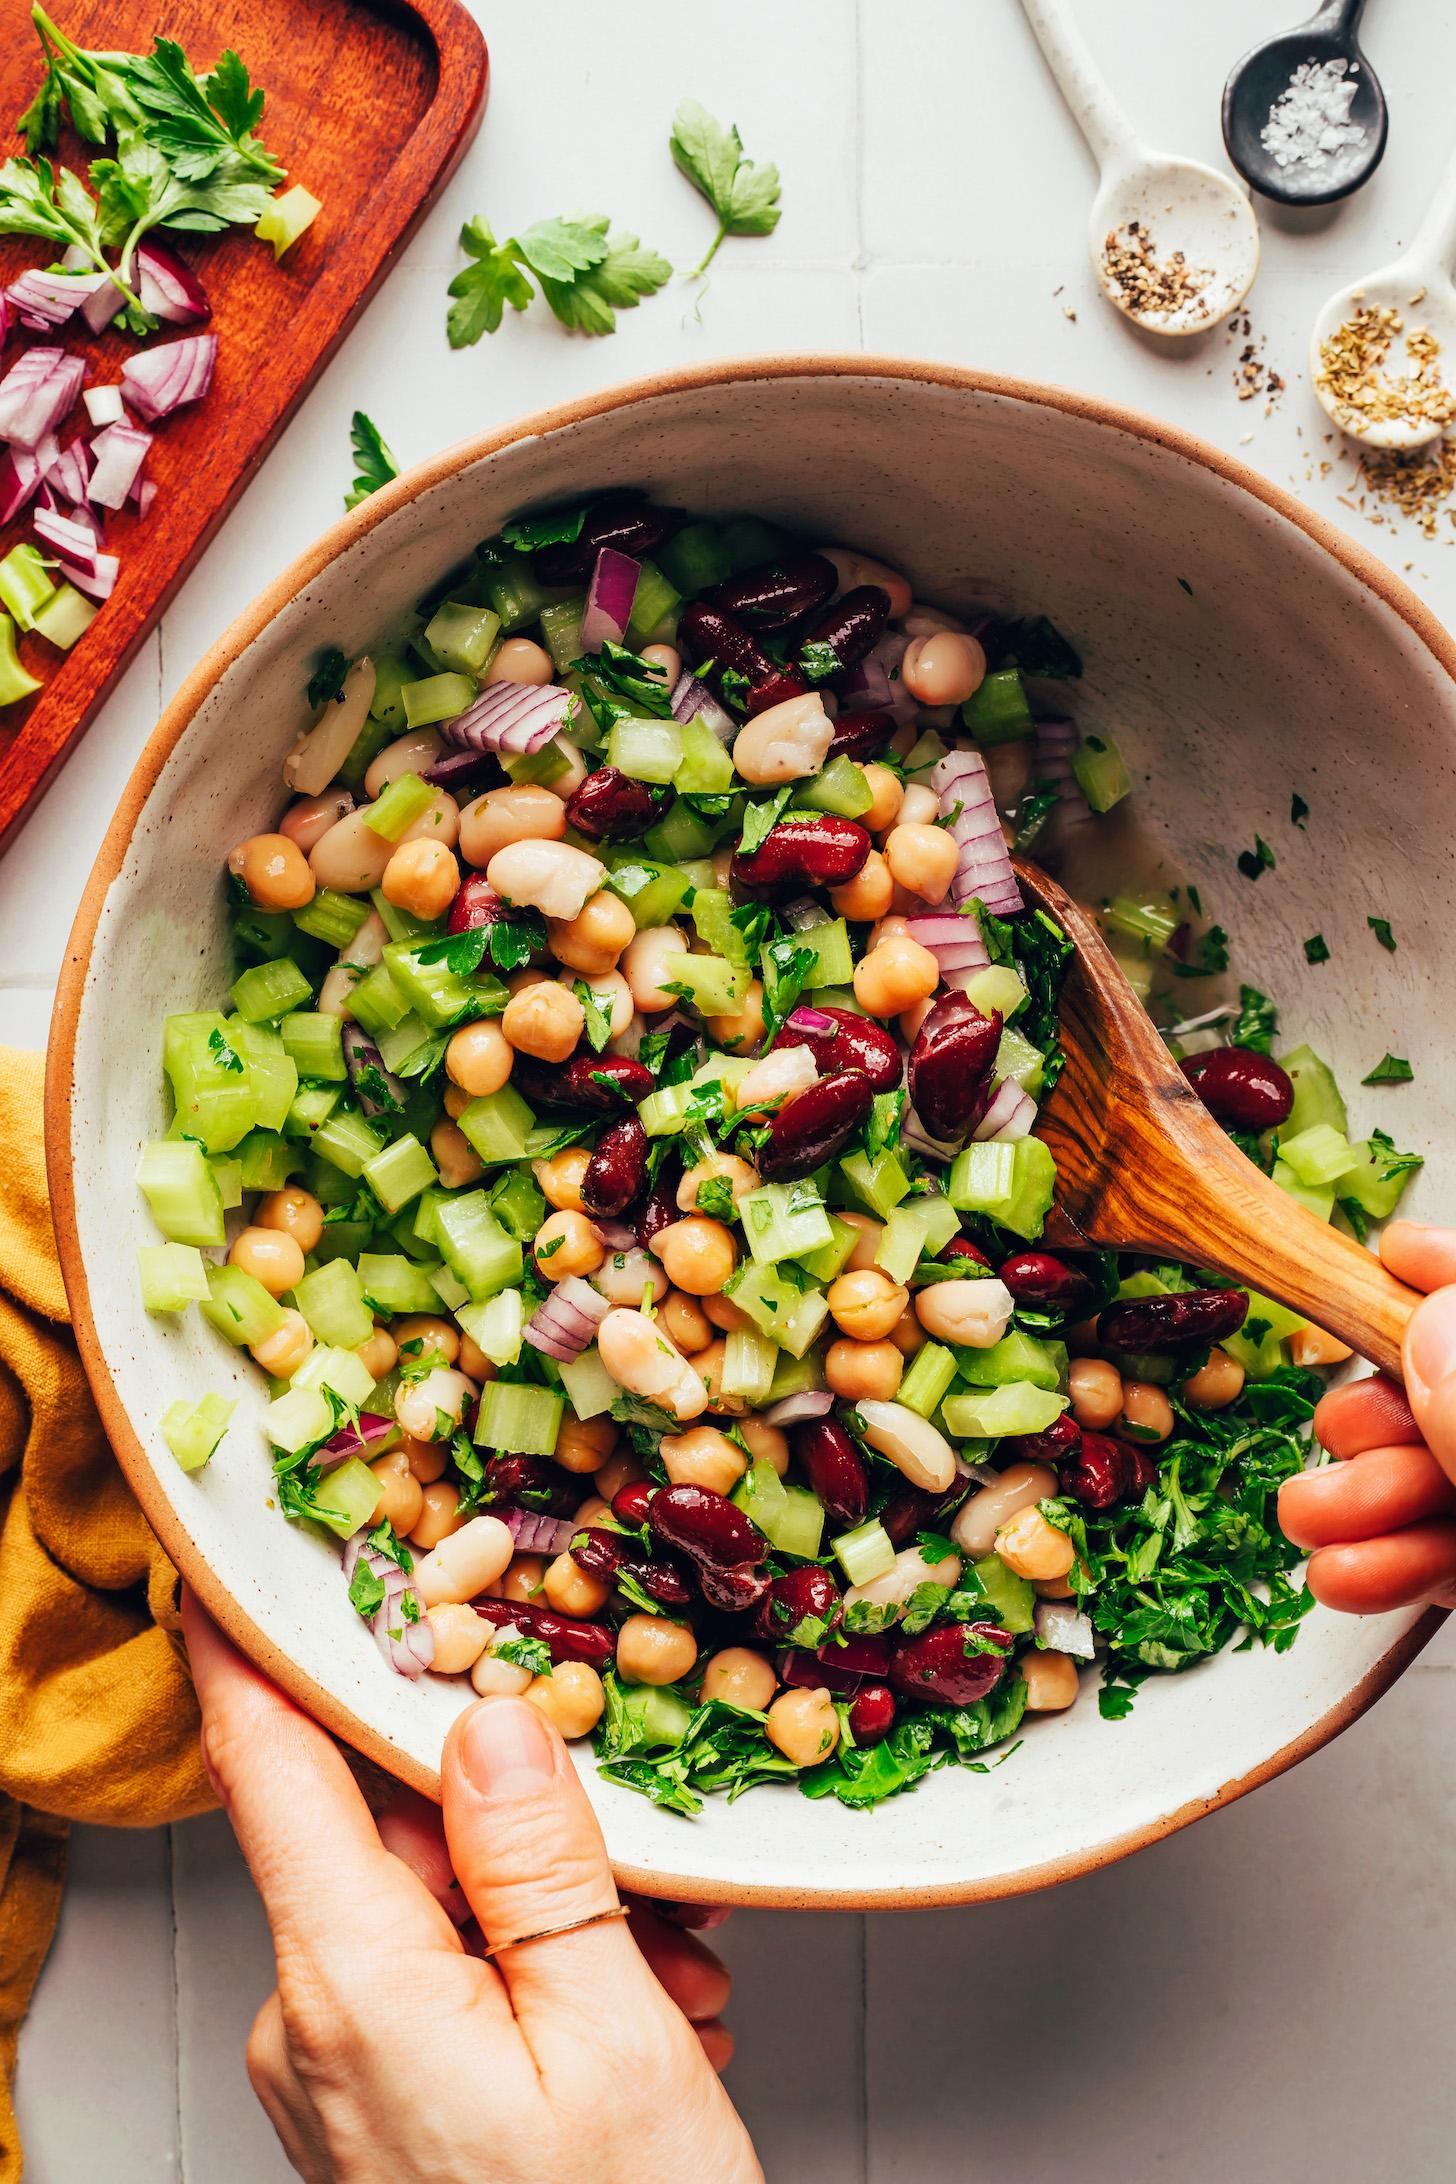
[1239, 647]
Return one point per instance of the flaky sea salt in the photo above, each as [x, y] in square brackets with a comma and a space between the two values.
[1309, 123]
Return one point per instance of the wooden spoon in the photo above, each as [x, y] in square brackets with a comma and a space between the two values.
[1142, 1165]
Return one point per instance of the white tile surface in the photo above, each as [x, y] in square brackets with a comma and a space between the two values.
[1264, 1995]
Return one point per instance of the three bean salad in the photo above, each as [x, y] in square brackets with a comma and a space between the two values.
[618, 1155]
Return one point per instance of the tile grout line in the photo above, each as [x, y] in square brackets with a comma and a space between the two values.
[857, 19]
[176, 2000]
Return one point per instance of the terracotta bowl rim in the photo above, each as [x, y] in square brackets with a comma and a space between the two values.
[335, 1716]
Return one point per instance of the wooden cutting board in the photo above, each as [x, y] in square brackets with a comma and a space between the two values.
[371, 104]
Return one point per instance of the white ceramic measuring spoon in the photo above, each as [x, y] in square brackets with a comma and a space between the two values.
[1425, 265]
[1171, 204]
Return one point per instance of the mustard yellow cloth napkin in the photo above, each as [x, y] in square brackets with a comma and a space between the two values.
[97, 1717]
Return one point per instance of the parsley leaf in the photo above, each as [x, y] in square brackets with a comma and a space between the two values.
[326, 683]
[760, 818]
[366, 1591]
[1258, 860]
[1212, 956]
[1390, 1069]
[522, 1652]
[819, 661]
[1257, 1023]
[743, 194]
[1032, 814]
[715, 1198]
[1298, 811]
[482, 289]
[1316, 949]
[222, 1054]
[560, 527]
[1380, 927]
[598, 1014]
[589, 302]
[374, 463]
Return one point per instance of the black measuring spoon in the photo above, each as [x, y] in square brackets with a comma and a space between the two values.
[1259, 82]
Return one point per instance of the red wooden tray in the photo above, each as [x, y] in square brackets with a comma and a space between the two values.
[371, 104]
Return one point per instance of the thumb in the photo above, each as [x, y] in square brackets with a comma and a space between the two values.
[1430, 1374]
[526, 1849]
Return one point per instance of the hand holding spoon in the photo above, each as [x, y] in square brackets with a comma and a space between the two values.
[1143, 1166]
[1415, 389]
[1260, 81]
[1174, 244]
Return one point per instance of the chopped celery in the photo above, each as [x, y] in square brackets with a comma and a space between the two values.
[192, 1431]
[791, 1317]
[648, 750]
[433, 990]
[762, 1495]
[748, 540]
[181, 1190]
[924, 753]
[1318, 1199]
[392, 1283]
[517, 1420]
[266, 1161]
[1151, 918]
[327, 1366]
[400, 1172]
[1135, 963]
[783, 1220]
[347, 1141]
[841, 788]
[589, 1385]
[795, 1375]
[216, 1103]
[518, 1205]
[401, 924]
[314, 1043]
[495, 1328]
[1321, 1154]
[269, 991]
[515, 596]
[435, 698]
[1019, 1059]
[830, 1259]
[497, 1125]
[659, 1719]
[540, 767]
[376, 731]
[865, 1553]
[694, 558]
[931, 1372]
[396, 1047]
[1011, 1184]
[15, 683]
[652, 892]
[905, 1239]
[396, 808]
[665, 1113]
[1259, 1344]
[1101, 775]
[982, 1413]
[65, 617]
[748, 1366]
[229, 1173]
[879, 1183]
[477, 1249]
[451, 1292]
[285, 217]
[1012, 1600]
[271, 1077]
[712, 913]
[705, 767]
[239, 1307]
[714, 987]
[680, 834]
[997, 711]
[332, 1301]
[999, 987]
[346, 1497]
[1378, 1180]
[25, 584]
[654, 608]
[561, 631]
[1316, 1094]
[462, 636]
[828, 944]
[378, 1004]
[172, 1276]
[1015, 1357]
[799, 1528]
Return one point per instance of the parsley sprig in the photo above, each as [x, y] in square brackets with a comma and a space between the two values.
[374, 461]
[587, 271]
[743, 194]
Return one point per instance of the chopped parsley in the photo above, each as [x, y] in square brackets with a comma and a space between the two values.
[760, 819]
[374, 463]
[558, 527]
[1390, 1069]
[1258, 860]
[1316, 949]
[532, 1654]
[1257, 1023]
[326, 683]
[715, 1198]
[1380, 927]
[1298, 811]
[598, 1014]
[1212, 955]
[819, 661]
[223, 1055]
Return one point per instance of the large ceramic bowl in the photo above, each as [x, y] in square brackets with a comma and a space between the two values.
[1238, 648]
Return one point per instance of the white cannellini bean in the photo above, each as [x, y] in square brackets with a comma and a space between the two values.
[912, 1444]
[321, 750]
[786, 743]
[777, 1077]
[407, 754]
[912, 1568]
[641, 1359]
[430, 1409]
[465, 1562]
[309, 820]
[351, 857]
[973, 1314]
[548, 876]
[978, 1520]
[623, 1275]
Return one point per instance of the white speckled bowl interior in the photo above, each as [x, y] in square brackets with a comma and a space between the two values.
[1239, 650]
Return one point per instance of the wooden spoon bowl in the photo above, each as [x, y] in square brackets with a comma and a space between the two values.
[1143, 1166]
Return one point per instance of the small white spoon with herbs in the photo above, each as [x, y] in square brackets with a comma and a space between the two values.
[1175, 245]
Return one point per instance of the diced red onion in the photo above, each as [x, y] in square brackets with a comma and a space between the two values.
[794, 1409]
[20, 476]
[73, 545]
[617, 1235]
[42, 299]
[37, 394]
[1063, 1627]
[68, 472]
[816, 1021]
[800, 915]
[372, 1429]
[919, 1140]
[158, 381]
[954, 941]
[1009, 1116]
[517, 717]
[535, 1534]
[866, 687]
[408, 1647]
[104, 405]
[889, 651]
[457, 768]
[103, 298]
[609, 597]
[693, 700]
[565, 1322]
[120, 452]
[144, 492]
[167, 286]
[361, 1054]
[984, 871]
[1056, 740]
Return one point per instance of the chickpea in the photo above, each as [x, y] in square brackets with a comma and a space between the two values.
[668, 658]
[741, 1678]
[767, 1444]
[565, 1244]
[687, 1324]
[740, 1176]
[644, 966]
[803, 1726]
[1095, 1389]
[380, 1354]
[427, 1459]
[270, 1256]
[594, 939]
[854, 568]
[1051, 1680]
[544, 1021]
[438, 1517]
[698, 1254]
[282, 1352]
[562, 1176]
[618, 1471]
[523, 1580]
[460, 1636]
[516, 814]
[275, 872]
[423, 1335]
[907, 1334]
[708, 1365]
[309, 820]
[571, 1696]
[584, 1444]
[478, 1059]
[887, 791]
[724, 1314]
[431, 1409]
[400, 1496]
[1053, 1588]
[893, 975]
[869, 894]
[610, 991]
[1146, 1411]
[467, 1559]
[743, 1027]
[919, 806]
[421, 877]
[572, 1591]
[653, 1650]
[858, 1370]
[922, 859]
[911, 1019]
[454, 1155]
[474, 1363]
[1215, 1385]
[1311, 1346]
[594, 1510]
[623, 1276]
[519, 660]
[703, 1457]
[1031, 1547]
[978, 1520]
[294, 1210]
[497, 1679]
[867, 1304]
[945, 668]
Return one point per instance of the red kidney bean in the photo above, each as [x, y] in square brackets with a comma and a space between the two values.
[776, 689]
[937, 1665]
[852, 1042]
[813, 1126]
[1246, 1090]
[589, 1084]
[799, 853]
[1097, 1473]
[609, 806]
[961, 1247]
[809, 1673]
[1047, 1284]
[629, 1503]
[661, 1209]
[910, 1510]
[861, 736]
[951, 1064]
[616, 1174]
[734, 1591]
[565, 1637]
[1151, 1326]
[872, 1714]
[477, 903]
[1145, 1471]
[623, 520]
[776, 593]
[1058, 1443]
[607, 1555]
[707, 1526]
[849, 626]
[868, 1654]
[707, 636]
[801, 1608]
[530, 1482]
[834, 1469]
